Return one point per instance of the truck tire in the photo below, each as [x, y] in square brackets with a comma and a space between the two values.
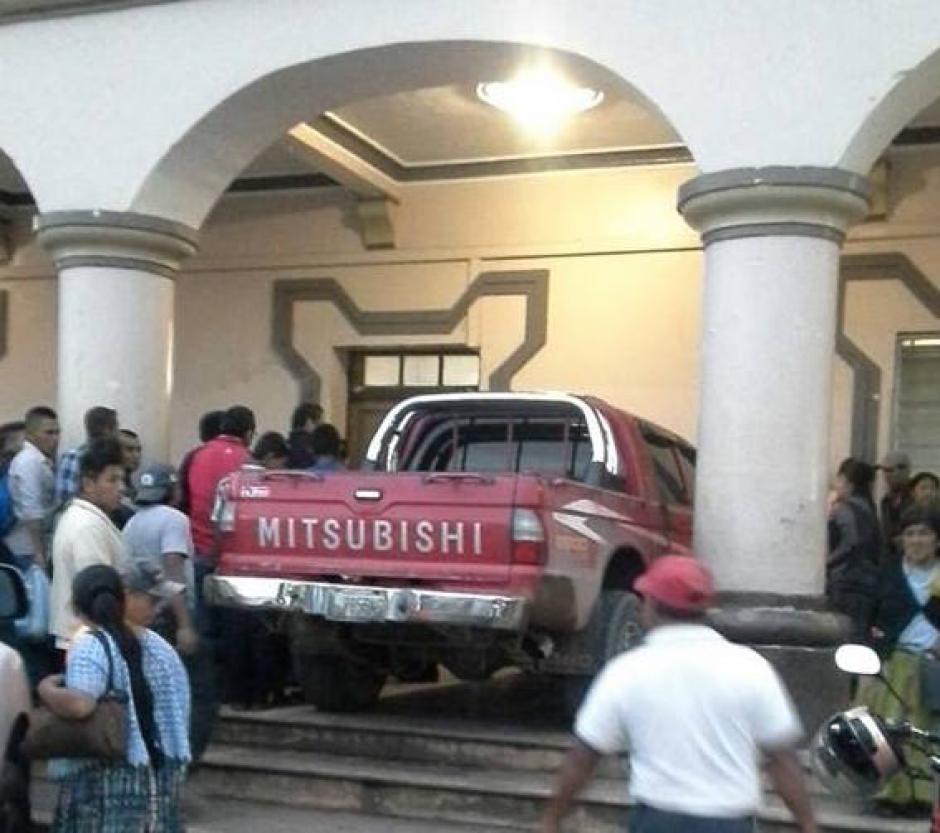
[337, 684]
[619, 612]
[614, 627]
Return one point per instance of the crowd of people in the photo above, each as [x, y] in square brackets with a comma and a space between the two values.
[883, 573]
[113, 554]
[865, 537]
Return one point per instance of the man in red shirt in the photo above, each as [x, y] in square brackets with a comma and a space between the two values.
[209, 464]
[218, 632]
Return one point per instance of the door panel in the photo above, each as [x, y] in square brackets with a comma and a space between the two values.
[364, 419]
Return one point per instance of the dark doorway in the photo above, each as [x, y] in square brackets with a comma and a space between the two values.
[379, 379]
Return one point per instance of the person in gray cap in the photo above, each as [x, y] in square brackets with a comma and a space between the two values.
[148, 590]
[159, 535]
[896, 466]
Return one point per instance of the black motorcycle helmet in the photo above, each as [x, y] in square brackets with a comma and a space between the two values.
[853, 753]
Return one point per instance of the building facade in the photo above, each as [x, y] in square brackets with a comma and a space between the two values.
[784, 316]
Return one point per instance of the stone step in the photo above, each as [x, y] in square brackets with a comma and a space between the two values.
[492, 798]
[248, 817]
[433, 740]
[400, 737]
[233, 816]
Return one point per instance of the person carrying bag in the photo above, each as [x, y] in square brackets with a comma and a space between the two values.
[108, 786]
[100, 735]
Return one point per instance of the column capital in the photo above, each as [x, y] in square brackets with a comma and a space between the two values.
[116, 240]
[774, 201]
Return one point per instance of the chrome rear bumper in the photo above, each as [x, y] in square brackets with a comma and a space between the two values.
[364, 604]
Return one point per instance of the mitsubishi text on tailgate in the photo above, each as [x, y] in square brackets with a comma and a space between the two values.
[484, 530]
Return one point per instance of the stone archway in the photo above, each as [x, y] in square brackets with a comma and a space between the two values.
[26, 365]
[906, 94]
[186, 182]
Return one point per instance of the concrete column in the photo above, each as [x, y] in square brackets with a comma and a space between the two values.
[115, 317]
[772, 239]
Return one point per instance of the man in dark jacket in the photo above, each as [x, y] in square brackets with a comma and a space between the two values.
[896, 466]
[306, 417]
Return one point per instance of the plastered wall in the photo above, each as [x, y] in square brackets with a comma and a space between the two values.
[623, 310]
[877, 311]
[623, 298]
[27, 370]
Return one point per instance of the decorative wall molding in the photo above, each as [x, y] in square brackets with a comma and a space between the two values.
[385, 160]
[867, 377]
[376, 222]
[6, 245]
[4, 321]
[530, 283]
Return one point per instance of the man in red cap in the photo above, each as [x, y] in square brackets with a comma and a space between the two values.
[699, 715]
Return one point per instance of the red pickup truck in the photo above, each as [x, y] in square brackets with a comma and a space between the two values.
[484, 530]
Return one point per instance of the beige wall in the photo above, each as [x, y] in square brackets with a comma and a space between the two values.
[623, 320]
[27, 371]
[878, 311]
[612, 236]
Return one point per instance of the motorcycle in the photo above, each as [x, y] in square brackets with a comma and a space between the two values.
[857, 751]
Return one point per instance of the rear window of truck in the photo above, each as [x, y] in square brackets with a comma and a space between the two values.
[554, 446]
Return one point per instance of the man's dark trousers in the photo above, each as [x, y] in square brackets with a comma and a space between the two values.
[202, 666]
[646, 819]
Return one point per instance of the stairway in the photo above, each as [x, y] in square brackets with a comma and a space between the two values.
[449, 757]
[426, 756]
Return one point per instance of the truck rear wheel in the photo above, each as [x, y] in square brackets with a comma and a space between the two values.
[337, 684]
[621, 630]
[614, 627]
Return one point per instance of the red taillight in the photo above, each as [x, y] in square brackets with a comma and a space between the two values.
[528, 537]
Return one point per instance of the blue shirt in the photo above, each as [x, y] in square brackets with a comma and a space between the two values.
[919, 635]
[326, 462]
[66, 477]
[86, 670]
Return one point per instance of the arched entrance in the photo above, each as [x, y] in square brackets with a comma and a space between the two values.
[186, 182]
[27, 335]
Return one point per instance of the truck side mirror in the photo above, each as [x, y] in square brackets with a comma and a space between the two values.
[13, 600]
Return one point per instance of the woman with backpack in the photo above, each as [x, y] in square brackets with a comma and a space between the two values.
[854, 547]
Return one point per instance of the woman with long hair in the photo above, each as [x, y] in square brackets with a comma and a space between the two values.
[142, 792]
[854, 546]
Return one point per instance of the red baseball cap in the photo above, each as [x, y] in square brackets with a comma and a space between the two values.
[678, 581]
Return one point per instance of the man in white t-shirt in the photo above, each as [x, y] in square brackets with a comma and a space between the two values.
[84, 534]
[699, 715]
[32, 486]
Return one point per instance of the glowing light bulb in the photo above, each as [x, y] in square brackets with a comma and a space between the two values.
[538, 99]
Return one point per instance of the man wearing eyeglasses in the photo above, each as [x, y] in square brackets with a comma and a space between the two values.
[896, 466]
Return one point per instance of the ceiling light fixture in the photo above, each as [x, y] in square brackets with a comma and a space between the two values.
[539, 99]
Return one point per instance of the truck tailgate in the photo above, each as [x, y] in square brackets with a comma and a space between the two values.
[436, 527]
